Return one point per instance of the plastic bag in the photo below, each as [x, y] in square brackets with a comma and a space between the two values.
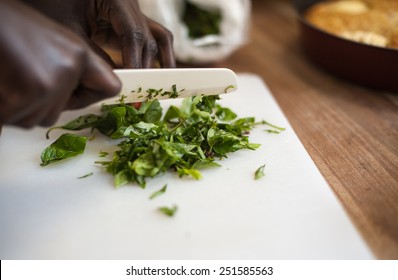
[233, 25]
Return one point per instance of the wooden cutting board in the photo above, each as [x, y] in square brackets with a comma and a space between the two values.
[291, 213]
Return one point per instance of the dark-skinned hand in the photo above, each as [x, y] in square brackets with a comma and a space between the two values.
[45, 68]
[115, 23]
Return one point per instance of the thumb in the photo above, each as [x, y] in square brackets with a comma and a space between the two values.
[97, 82]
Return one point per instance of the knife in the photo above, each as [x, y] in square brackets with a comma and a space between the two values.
[140, 85]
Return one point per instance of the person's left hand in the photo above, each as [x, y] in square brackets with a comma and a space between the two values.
[120, 22]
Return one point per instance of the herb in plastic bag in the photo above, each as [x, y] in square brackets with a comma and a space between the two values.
[201, 22]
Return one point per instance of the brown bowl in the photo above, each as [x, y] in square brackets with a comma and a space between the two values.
[367, 65]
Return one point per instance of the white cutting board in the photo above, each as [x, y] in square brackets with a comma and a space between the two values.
[291, 213]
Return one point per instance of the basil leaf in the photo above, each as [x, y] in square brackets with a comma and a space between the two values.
[121, 178]
[223, 142]
[86, 175]
[206, 163]
[188, 138]
[153, 113]
[194, 173]
[207, 103]
[79, 123]
[276, 128]
[259, 172]
[66, 146]
[173, 113]
[159, 192]
[168, 211]
[145, 165]
[225, 114]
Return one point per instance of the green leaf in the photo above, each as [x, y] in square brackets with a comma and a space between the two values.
[153, 113]
[188, 138]
[194, 173]
[177, 150]
[259, 172]
[85, 176]
[82, 122]
[223, 142]
[103, 154]
[145, 165]
[159, 192]
[206, 103]
[225, 114]
[206, 163]
[253, 146]
[168, 211]
[121, 178]
[277, 128]
[112, 124]
[173, 113]
[66, 146]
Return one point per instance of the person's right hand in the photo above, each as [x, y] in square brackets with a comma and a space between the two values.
[45, 68]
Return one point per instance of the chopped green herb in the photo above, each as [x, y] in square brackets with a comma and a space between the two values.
[103, 154]
[82, 122]
[122, 98]
[185, 140]
[159, 192]
[274, 131]
[66, 146]
[174, 93]
[168, 211]
[194, 173]
[259, 172]
[228, 88]
[273, 126]
[85, 176]
[153, 93]
[225, 114]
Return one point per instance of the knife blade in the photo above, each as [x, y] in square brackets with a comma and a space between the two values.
[140, 85]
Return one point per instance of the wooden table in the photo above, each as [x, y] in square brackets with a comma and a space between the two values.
[350, 132]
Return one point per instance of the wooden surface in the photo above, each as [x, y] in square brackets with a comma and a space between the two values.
[350, 132]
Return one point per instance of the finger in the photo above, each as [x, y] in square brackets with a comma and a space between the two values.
[132, 48]
[130, 27]
[40, 115]
[99, 77]
[97, 49]
[101, 53]
[83, 97]
[149, 54]
[164, 39]
[98, 82]
[28, 119]
[24, 114]
[47, 111]
[55, 111]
